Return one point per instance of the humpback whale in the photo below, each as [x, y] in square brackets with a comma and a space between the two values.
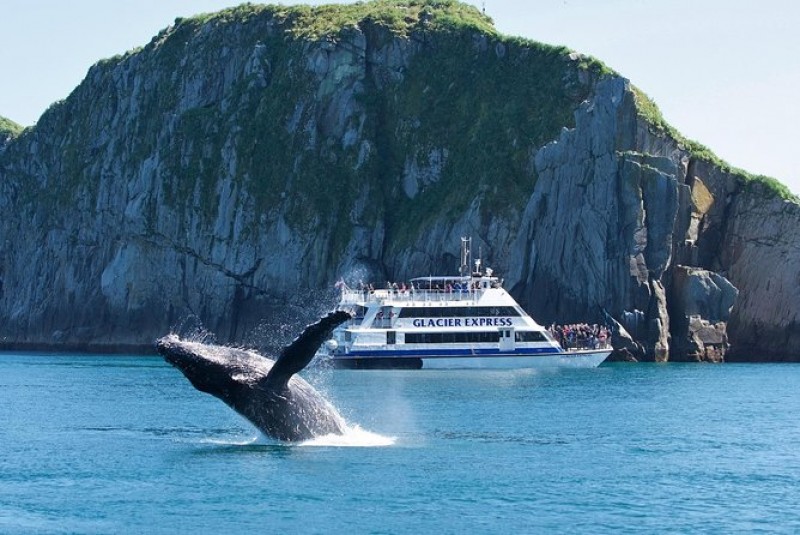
[268, 393]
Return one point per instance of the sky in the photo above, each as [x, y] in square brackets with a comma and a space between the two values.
[725, 73]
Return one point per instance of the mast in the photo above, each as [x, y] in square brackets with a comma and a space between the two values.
[466, 256]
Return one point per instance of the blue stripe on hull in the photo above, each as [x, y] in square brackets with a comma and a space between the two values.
[382, 353]
[495, 359]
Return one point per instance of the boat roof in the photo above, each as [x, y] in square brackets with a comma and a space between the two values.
[453, 278]
[432, 278]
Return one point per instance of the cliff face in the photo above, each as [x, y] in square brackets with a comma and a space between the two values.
[241, 162]
[675, 248]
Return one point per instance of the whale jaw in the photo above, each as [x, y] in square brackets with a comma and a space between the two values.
[212, 369]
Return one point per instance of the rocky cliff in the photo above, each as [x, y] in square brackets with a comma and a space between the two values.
[242, 161]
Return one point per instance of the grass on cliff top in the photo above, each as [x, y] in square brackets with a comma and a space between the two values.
[400, 16]
[7, 126]
[649, 111]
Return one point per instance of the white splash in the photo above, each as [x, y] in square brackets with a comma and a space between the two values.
[354, 437]
[256, 440]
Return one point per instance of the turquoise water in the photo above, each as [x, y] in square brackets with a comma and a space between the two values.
[126, 445]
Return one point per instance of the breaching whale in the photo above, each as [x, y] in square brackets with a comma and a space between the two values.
[268, 393]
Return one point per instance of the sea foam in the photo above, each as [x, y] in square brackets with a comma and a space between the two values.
[353, 436]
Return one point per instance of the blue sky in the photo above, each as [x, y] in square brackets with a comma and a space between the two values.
[725, 73]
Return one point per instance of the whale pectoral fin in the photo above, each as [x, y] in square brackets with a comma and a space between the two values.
[299, 353]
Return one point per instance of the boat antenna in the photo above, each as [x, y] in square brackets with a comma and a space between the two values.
[478, 271]
[466, 256]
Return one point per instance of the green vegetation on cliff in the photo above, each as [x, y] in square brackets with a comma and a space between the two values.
[400, 17]
[488, 111]
[460, 93]
[649, 111]
[9, 127]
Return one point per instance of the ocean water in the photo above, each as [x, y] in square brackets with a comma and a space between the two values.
[92, 444]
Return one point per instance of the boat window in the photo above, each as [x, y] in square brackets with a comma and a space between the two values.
[482, 337]
[391, 337]
[530, 336]
[458, 312]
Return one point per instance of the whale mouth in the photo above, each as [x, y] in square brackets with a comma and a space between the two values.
[166, 342]
[170, 348]
[205, 374]
[182, 356]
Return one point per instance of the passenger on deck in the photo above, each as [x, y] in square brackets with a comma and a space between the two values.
[580, 335]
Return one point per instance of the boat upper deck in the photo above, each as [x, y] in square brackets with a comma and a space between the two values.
[422, 290]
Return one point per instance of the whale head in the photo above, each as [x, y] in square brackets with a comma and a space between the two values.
[216, 370]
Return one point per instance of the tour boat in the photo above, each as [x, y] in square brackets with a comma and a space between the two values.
[464, 321]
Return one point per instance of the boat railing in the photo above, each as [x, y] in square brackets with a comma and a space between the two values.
[413, 295]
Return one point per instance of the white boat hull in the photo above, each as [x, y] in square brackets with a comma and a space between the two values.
[569, 359]
[573, 359]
